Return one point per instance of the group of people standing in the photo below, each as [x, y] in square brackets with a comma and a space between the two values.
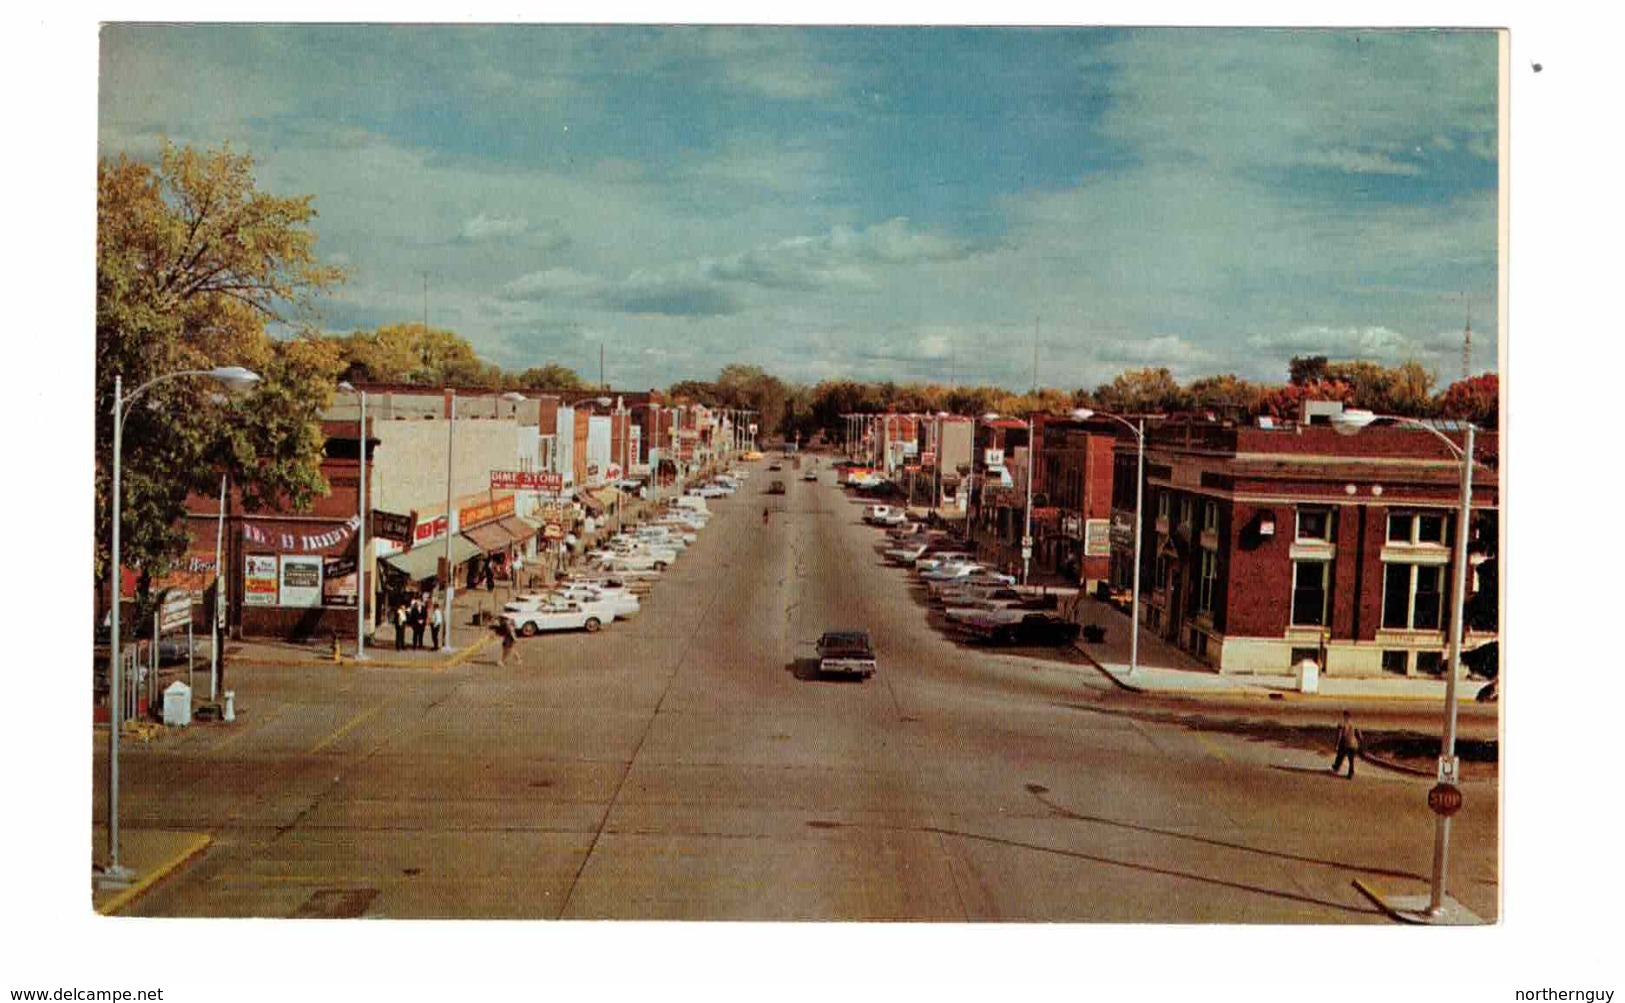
[421, 612]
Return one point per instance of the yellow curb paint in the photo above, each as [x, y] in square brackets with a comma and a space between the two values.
[1211, 747]
[335, 736]
[152, 877]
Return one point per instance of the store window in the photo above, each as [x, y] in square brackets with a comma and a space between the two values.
[1412, 596]
[1309, 590]
[1301, 655]
[1396, 662]
[1315, 524]
[1430, 663]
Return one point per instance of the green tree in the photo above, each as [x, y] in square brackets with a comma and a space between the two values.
[192, 262]
[549, 377]
[1142, 391]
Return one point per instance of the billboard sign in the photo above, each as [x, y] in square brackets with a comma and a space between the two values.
[259, 580]
[1097, 538]
[301, 584]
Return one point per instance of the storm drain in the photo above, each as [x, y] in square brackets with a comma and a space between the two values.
[337, 903]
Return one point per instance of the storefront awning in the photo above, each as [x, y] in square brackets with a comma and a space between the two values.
[423, 561]
[521, 529]
[490, 537]
[591, 504]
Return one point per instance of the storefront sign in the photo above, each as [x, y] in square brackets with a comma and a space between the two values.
[1072, 526]
[992, 457]
[393, 526]
[193, 576]
[338, 567]
[1097, 538]
[423, 532]
[526, 480]
[485, 511]
[259, 580]
[301, 584]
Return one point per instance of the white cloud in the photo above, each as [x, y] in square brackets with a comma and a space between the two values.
[484, 227]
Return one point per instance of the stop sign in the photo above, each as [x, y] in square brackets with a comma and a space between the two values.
[1444, 799]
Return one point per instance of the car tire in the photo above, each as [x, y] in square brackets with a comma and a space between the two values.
[592, 625]
[528, 630]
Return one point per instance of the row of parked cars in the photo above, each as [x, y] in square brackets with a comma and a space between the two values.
[978, 602]
[619, 569]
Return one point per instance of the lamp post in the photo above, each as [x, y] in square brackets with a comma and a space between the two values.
[1350, 422]
[361, 561]
[449, 587]
[1138, 429]
[234, 378]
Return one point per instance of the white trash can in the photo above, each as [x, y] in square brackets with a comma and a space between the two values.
[1308, 676]
[177, 704]
[231, 709]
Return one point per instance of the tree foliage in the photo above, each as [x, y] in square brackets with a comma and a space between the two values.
[1476, 399]
[192, 263]
[1143, 391]
[549, 377]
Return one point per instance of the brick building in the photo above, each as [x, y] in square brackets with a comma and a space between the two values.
[1264, 546]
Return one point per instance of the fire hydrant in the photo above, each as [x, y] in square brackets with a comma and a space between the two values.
[336, 658]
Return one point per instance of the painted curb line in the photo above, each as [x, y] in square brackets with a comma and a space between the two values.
[157, 874]
[1382, 904]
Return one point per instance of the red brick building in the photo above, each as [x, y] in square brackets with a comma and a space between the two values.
[1265, 546]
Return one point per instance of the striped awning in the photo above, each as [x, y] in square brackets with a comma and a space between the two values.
[423, 561]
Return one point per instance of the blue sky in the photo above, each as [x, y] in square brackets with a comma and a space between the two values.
[895, 203]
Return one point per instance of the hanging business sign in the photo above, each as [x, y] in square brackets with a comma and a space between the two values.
[526, 480]
[301, 583]
[259, 580]
[276, 539]
[393, 526]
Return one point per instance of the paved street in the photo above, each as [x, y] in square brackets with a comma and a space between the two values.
[685, 765]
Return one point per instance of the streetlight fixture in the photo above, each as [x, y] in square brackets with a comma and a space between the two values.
[1138, 429]
[235, 379]
[361, 561]
[1350, 422]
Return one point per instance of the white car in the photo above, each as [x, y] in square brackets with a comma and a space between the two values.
[906, 555]
[950, 572]
[974, 577]
[623, 561]
[558, 615]
[940, 559]
[709, 491]
[618, 601]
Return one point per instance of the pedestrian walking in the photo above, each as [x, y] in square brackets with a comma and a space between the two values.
[490, 578]
[1348, 744]
[415, 619]
[509, 642]
[434, 626]
[400, 627]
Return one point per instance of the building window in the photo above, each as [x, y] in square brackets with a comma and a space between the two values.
[1209, 579]
[1309, 587]
[1163, 564]
[1210, 517]
[1430, 663]
[1395, 662]
[1315, 524]
[1301, 655]
[1162, 504]
[1185, 512]
[1412, 596]
[1416, 527]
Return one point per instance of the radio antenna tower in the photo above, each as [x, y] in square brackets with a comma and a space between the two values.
[1467, 341]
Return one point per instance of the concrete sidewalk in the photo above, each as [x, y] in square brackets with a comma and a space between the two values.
[1165, 669]
[151, 854]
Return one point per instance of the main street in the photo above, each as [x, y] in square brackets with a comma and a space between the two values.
[685, 765]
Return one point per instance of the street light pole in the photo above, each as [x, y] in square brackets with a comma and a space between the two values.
[1027, 517]
[1349, 422]
[361, 532]
[450, 585]
[233, 377]
[1138, 429]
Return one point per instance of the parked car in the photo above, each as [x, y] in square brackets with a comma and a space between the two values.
[810, 475]
[1016, 627]
[776, 488]
[951, 571]
[930, 562]
[906, 554]
[558, 615]
[973, 577]
[620, 602]
[846, 653]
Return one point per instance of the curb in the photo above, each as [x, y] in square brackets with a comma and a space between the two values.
[457, 658]
[157, 874]
[1382, 903]
[1120, 684]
